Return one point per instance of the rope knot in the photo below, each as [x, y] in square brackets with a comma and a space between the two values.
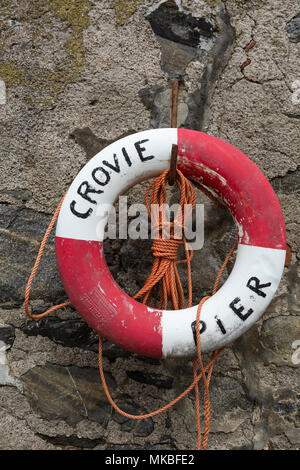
[166, 248]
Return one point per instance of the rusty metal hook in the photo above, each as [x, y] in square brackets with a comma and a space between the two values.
[174, 155]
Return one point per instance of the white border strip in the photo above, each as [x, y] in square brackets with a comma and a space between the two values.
[156, 143]
[266, 264]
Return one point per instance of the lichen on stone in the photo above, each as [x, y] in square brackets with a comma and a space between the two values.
[124, 9]
[46, 83]
[75, 49]
[75, 14]
[12, 75]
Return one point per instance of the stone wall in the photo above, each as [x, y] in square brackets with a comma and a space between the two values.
[75, 76]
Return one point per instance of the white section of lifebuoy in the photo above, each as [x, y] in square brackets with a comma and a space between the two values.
[69, 226]
[265, 264]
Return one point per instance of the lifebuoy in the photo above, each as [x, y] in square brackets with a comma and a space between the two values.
[238, 303]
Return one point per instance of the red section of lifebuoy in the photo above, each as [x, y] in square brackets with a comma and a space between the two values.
[241, 185]
[102, 303]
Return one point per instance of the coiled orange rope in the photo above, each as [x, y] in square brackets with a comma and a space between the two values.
[164, 277]
[164, 272]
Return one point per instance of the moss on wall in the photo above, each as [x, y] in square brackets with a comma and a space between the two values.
[11, 74]
[76, 14]
[45, 84]
[124, 9]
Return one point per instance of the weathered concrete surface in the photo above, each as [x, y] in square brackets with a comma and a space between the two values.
[78, 75]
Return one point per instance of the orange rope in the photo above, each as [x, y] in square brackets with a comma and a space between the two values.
[35, 267]
[163, 408]
[164, 275]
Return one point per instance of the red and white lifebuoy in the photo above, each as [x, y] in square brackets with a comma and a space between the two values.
[238, 303]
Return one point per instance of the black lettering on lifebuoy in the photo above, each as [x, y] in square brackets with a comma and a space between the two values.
[80, 214]
[221, 326]
[238, 311]
[126, 156]
[84, 190]
[115, 168]
[140, 151]
[257, 286]
[107, 175]
[202, 329]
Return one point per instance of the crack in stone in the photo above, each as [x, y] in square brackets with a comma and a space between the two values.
[291, 115]
[78, 393]
[72, 441]
[288, 183]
